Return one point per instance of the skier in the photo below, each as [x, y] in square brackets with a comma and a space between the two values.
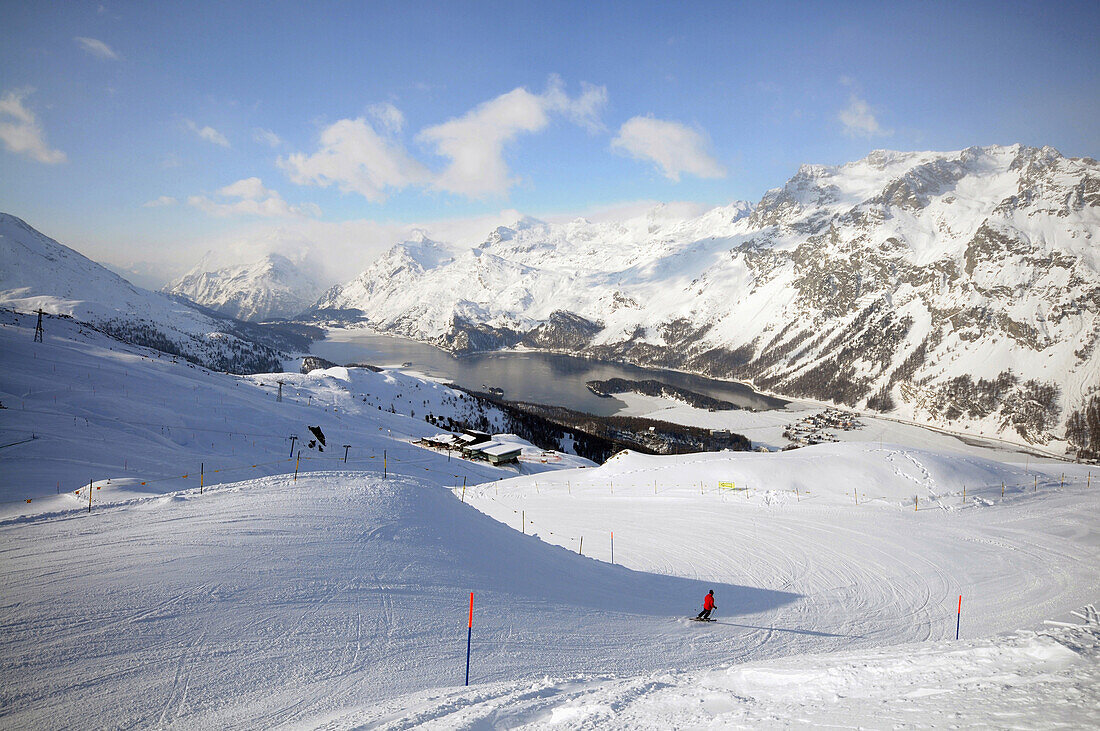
[708, 606]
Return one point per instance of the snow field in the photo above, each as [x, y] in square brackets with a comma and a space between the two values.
[1004, 682]
[135, 422]
[339, 600]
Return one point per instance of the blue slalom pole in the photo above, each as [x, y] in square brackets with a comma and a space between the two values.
[469, 637]
[958, 621]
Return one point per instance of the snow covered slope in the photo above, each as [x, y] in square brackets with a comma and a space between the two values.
[949, 287]
[39, 272]
[81, 406]
[339, 599]
[272, 287]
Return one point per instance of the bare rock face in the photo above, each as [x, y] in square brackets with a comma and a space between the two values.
[958, 288]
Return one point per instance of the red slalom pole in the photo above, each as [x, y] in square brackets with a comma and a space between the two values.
[469, 636]
[958, 621]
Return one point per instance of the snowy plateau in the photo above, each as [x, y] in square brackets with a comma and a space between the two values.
[960, 289]
[193, 537]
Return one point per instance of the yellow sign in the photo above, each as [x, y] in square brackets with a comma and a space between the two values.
[727, 486]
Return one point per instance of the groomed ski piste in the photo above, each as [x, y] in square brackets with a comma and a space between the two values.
[340, 598]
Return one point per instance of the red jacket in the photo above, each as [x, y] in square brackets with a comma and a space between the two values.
[708, 602]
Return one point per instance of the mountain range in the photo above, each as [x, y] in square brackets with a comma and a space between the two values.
[40, 273]
[957, 288]
[271, 288]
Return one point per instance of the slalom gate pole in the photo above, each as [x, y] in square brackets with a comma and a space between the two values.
[296, 462]
[469, 637]
[89, 495]
[958, 620]
[202, 475]
[383, 464]
[580, 551]
[612, 548]
[464, 488]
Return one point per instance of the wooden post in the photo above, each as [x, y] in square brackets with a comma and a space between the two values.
[1036, 488]
[296, 463]
[1063, 481]
[464, 488]
[1002, 488]
[523, 522]
[580, 550]
[612, 548]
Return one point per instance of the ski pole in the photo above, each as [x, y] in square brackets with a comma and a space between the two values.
[469, 637]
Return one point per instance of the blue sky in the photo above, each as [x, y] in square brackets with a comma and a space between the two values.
[148, 133]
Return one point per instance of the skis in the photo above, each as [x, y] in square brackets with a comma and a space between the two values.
[700, 619]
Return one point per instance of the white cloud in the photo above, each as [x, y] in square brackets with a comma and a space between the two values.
[585, 110]
[97, 48]
[207, 133]
[266, 137]
[674, 147]
[250, 189]
[475, 142]
[356, 159]
[161, 202]
[20, 131]
[388, 117]
[360, 157]
[859, 120]
[250, 197]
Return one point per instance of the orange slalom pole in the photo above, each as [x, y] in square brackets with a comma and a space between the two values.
[469, 637]
[958, 621]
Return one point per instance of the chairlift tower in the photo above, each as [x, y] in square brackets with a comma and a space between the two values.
[38, 327]
[279, 398]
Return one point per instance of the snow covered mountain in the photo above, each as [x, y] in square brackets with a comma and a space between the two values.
[272, 287]
[39, 272]
[959, 288]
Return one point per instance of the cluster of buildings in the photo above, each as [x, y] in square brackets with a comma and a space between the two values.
[474, 444]
[815, 429]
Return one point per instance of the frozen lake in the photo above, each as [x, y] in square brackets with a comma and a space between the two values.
[543, 378]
